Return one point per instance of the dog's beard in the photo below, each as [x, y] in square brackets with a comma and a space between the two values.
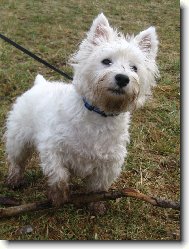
[116, 100]
[110, 98]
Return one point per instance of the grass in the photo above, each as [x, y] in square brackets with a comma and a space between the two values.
[53, 29]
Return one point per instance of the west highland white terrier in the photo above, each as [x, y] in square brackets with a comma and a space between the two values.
[81, 128]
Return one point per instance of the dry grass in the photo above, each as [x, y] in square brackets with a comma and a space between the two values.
[53, 29]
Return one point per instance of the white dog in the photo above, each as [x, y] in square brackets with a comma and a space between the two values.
[82, 128]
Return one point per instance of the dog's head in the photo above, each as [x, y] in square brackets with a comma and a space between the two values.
[114, 72]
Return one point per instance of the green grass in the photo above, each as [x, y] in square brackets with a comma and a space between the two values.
[53, 29]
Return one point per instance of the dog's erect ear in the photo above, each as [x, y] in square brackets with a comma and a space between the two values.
[100, 30]
[99, 33]
[147, 41]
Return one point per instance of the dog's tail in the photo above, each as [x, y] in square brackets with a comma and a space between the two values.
[39, 80]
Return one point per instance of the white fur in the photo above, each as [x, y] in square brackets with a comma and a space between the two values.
[70, 139]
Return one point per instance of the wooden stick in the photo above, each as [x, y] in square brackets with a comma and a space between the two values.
[9, 201]
[83, 198]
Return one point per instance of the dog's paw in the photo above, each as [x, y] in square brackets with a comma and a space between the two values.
[58, 194]
[98, 208]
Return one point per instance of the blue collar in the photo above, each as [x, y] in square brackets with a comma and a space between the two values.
[96, 109]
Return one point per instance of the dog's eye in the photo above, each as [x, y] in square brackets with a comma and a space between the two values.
[107, 62]
[134, 68]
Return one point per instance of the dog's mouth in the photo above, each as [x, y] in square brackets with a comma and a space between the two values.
[118, 91]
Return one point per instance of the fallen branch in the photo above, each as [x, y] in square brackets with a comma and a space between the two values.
[9, 201]
[82, 198]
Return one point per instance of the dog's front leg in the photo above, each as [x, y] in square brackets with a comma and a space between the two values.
[58, 178]
[100, 181]
[102, 177]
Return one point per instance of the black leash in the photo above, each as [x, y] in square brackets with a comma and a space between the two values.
[35, 57]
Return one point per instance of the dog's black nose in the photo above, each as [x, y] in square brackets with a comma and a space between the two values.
[122, 80]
